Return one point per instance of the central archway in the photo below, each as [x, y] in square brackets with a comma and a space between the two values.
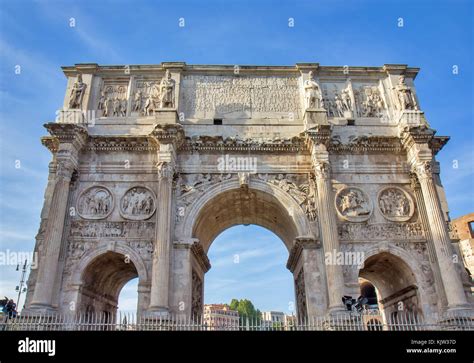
[229, 204]
[244, 206]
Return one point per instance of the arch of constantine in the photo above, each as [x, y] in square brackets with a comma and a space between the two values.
[151, 162]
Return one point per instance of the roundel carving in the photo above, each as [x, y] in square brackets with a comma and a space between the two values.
[95, 202]
[137, 203]
[353, 205]
[395, 204]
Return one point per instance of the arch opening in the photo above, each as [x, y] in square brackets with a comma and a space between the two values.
[244, 206]
[393, 284]
[248, 263]
[102, 281]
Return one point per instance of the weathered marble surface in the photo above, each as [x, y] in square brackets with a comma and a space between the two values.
[331, 159]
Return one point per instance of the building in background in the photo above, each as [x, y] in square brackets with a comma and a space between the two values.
[464, 227]
[277, 319]
[220, 317]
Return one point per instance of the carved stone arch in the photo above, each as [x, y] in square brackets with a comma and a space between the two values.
[299, 222]
[100, 275]
[120, 248]
[411, 263]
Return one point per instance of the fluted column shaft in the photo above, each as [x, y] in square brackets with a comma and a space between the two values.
[452, 283]
[52, 243]
[328, 227]
[159, 299]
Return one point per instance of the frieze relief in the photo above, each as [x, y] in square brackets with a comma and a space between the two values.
[369, 101]
[380, 231]
[338, 99]
[395, 204]
[102, 229]
[352, 204]
[153, 94]
[301, 187]
[76, 249]
[113, 99]
[96, 202]
[137, 203]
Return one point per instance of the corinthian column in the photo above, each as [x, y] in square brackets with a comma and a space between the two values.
[159, 299]
[328, 225]
[451, 279]
[71, 139]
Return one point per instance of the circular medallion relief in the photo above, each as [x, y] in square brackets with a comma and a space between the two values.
[95, 202]
[395, 204]
[137, 203]
[353, 205]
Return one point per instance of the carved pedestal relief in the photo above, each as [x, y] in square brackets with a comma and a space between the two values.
[197, 292]
[137, 203]
[95, 203]
[353, 205]
[301, 297]
[395, 204]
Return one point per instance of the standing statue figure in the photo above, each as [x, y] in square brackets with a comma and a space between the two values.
[149, 105]
[123, 107]
[405, 95]
[339, 105]
[346, 99]
[107, 106]
[77, 93]
[137, 102]
[166, 90]
[313, 96]
[116, 107]
[101, 104]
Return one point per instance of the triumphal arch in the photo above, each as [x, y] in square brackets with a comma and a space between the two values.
[151, 162]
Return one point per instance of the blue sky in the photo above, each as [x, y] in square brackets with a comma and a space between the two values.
[37, 36]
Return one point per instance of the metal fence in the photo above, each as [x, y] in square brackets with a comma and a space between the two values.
[366, 321]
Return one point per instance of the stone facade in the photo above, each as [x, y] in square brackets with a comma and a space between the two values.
[150, 163]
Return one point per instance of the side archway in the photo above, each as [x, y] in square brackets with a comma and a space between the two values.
[100, 276]
[397, 280]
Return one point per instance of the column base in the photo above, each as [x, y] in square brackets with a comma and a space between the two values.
[338, 310]
[157, 312]
[39, 309]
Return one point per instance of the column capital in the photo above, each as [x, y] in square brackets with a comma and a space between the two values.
[64, 169]
[423, 169]
[166, 170]
[322, 169]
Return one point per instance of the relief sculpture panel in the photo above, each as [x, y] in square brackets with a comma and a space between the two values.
[137, 203]
[395, 204]
[95, 203]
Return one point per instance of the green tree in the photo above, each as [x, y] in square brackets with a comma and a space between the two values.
[246, 311]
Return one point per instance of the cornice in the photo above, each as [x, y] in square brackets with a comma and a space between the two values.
[218, 144]
[121, 143]
[366, 144]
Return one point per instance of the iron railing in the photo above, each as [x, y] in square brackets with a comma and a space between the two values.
[365, 321]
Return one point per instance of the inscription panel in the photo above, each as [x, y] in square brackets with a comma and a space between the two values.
[240, 96]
